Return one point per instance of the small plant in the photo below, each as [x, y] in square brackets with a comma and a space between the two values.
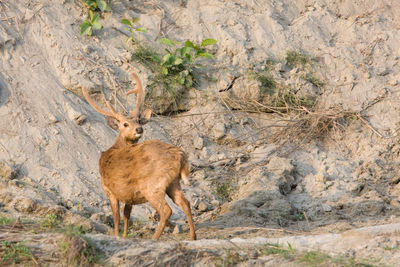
[231, 258]
[6, 220]
[14, 253]
[314, 81]
[223, 190]
[267, 82]
[296, 59]
[309, 258]
[275, 249]
[315, 258]
[300, 216]
[147, 57]
[137, 230]
[180, 61]
[71, 230]
[49, 221]
[90, 24]
[131, 28]
[97, 5]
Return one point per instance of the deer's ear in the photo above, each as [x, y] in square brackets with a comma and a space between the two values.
[145, 116]
[112, 122]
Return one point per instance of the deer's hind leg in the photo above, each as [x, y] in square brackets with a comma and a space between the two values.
[174, 191]
[127, 215]
[158, 202]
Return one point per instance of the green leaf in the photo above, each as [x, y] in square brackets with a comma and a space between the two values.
[90, 3]
[166, 58]
[95, 17]
[156, 58]
[188, 82]
[126, 22]
[134, 20]
[108, 8]
[189, 43]
[181, 80]
[102, 5]
[189, 58]
[206, 55]
[177, 61]
[97, 25]
[185, 50]
[166, 42]
[86, 28]
[164, 70]
[208, 41]
[91, 14]
[141, 30]
[128, 39]
[95, 20]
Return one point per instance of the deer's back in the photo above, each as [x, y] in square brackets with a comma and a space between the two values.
[149, 166]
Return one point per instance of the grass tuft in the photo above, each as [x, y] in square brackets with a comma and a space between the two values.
[6, 220]
[15, 253]
[296, 59]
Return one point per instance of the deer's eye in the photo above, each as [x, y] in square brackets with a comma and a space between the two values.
[126, 124]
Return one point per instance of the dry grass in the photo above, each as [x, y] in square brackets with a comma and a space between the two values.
[313, 124]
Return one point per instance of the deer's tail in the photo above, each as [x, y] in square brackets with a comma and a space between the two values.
[185, 170]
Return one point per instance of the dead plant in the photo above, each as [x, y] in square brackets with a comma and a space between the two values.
[305, 125]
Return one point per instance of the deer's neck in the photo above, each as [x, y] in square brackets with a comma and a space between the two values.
[122, 142]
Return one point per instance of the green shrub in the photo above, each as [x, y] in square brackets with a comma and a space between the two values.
[180, 61]
[173, 72]
[49, 221]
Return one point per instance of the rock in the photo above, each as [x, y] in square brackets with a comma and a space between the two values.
[203, 206]
[215, 203]
[326, 208]
[262, 153]
[280, 166]
[6, 171]
[219, 130]
[241, 92]
[25, 205]
[259, 208]
[178, 229]
[102, 217]
[78, 220]
[80, 119]
[198, 142]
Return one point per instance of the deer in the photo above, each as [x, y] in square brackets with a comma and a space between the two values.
[135, 172]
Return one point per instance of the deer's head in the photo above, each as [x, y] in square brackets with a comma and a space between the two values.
[129, 127]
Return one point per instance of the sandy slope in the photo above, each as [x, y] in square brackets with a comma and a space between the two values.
[51, 138]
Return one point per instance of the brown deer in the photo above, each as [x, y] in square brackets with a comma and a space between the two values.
[135, 173]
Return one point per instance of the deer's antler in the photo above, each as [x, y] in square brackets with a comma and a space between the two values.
[114, 114]
[139, 91]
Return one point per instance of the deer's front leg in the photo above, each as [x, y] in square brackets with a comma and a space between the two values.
[115, 210]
